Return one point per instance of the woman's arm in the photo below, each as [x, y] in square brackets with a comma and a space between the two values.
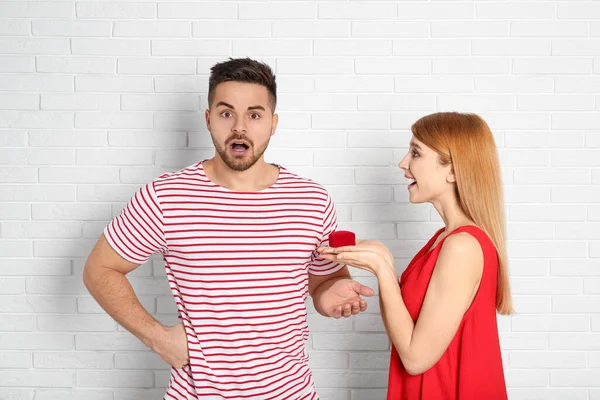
[451, 290]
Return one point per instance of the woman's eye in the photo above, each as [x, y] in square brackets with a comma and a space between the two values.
[415, 154]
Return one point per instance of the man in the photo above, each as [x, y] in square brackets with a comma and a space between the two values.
[239, 239]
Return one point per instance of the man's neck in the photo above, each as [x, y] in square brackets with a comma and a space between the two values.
[258, 177]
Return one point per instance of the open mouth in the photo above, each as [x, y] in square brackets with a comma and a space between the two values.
[411, 182]
[239, 147]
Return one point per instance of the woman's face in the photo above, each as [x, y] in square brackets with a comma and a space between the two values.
[428, 178]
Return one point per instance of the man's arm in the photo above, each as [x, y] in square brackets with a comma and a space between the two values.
[104, 276]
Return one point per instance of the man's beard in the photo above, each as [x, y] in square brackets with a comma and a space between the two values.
[239, 163]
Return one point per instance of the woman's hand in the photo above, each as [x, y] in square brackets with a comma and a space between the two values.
[370, 255]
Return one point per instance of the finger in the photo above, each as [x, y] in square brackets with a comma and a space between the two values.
[363, 290]
[343, 249]
[324, 249]
[347, 310]
[355, 308]
[363, 306]
[337, 313]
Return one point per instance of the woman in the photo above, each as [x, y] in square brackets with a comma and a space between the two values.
[442, 319]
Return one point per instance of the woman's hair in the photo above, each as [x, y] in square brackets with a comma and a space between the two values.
[466, 142]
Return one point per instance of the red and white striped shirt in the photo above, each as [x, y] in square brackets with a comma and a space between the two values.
[237, 264]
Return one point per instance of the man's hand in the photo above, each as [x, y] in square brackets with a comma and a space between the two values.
[341, 297]
[172, 346]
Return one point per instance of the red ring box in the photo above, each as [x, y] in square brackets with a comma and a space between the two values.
[342, 238]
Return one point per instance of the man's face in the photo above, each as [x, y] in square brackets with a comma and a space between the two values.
[241, 122]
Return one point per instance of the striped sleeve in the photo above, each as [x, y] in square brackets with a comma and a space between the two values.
[319, 265]
[138, 231]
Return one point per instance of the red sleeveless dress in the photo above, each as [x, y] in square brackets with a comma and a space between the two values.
[471, 367]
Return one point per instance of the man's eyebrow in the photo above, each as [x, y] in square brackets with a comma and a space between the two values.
[256, 108]
[222, 103]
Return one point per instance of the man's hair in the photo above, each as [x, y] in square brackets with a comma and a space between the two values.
[242, 70]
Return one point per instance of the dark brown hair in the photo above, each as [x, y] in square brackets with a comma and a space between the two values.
[242, 70]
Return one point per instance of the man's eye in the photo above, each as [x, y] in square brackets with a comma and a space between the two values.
[226, 114]
[255, 116]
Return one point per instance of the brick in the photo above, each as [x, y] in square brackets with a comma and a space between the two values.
[63, 248]
[115, 379]
[14, 211]
[523, 341]
[350, 157]
[477, 103]
[577, 84]
[526, 378]
[109, 193]
[575, 194]
[18, 175]
[390, 29]
[471, 65]
[272, 47]
[160, 29]
[542, 360]
[37, 304]
[432, 47]
[192, 10]
[513, 84]
[553, 249]
[433, 84]
[15, 27]
[108, 342]
[575, 121]
[575, 378]
[76, 323]
[275, 11]
[17, 64]
[110, 47]
[357, 11]
[428, 11]
[392, 66]
[547, 394]
[14, 361]
[546, 139]
[41, 230]
[106, 10]
[35, 341]
[546, 212]
[469, 29]
[195, 47]
[57, 394]
[15, 323]
[113, 84]
[114, 120]
[352, 84]
[361, 121]
[554, 176]
[31, 9]
[36, 156]
[43, 379]
[73, 360]
[154, 66]
[312, 66]
[549, 29]
[240, 29]
[395, 102]
[34, 46]
[71, 28]
[79, 101]
[552, 66]
[36, 83]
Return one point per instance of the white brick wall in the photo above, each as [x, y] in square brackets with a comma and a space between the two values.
[98, 98]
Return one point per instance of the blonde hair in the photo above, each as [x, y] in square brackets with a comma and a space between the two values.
[466, 142]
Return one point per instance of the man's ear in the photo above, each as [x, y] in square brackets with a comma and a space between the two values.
[207, 118]
[274, 124]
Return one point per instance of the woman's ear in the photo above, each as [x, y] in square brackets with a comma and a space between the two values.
[450, 176]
